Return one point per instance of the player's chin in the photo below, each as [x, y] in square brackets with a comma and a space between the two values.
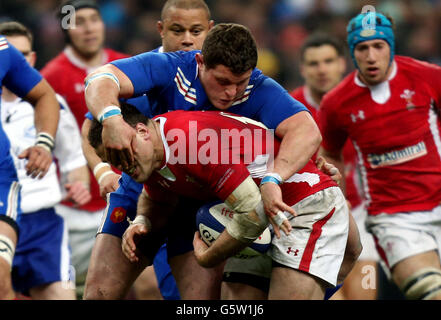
[187, 49]
[223, 104]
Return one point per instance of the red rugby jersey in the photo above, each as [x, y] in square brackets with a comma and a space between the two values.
[205, 158]
[395, 129]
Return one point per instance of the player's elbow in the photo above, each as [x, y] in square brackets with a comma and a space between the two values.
[316, 137]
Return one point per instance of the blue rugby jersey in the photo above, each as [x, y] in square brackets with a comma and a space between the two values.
[171, 82]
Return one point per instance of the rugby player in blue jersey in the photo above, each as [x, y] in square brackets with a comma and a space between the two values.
[23, 80]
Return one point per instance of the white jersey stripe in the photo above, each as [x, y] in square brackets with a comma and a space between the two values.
[188, 83]
[363, 173]
[65, 267]
[184, 89]
[13, 200]
[433, 124]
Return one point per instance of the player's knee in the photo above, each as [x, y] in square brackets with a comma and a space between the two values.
[93, 291]
[424, 284]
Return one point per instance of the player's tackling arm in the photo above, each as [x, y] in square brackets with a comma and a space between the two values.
[47, 115]
[103, 88]
[300, 139]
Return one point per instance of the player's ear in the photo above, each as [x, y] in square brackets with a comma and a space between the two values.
[142, 130]
[210, 24]
[160, 27]
[200, 60]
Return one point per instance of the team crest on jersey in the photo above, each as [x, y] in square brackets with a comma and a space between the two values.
[407, 96]
[358, 116]
[118, 215]
[397, 156]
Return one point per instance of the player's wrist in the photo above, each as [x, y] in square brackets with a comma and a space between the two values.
[271, 177]
[109, 112]
[101, 170]
[46, 141]
[143, 220]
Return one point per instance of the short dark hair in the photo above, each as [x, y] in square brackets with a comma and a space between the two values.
[185, 4]
[130, 114]
[14, 28]
[231, 45]
[320, 39]
[77, 5]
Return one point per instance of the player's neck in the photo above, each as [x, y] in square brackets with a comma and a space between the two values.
[89, 61]
[7, 95]
[315, 95]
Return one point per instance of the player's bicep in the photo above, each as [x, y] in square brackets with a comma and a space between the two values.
[116, 75]
[145, 71]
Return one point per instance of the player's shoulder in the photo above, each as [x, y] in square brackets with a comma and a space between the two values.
[342, 92]
[53, 66]
[4, 52]
[184, 63]
[297, 93]
[412, 65]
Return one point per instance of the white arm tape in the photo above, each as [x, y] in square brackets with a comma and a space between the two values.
[99, 166]
[249, 220]
[141, 219]
[101, 75]
[105, 174]
[7, 249]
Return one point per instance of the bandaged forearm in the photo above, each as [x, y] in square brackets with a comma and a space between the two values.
[141, 219]
[249, 220]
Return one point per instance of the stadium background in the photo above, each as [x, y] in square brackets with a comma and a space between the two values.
[279, 26]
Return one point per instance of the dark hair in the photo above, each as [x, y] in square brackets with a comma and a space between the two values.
[320, 39]
[185, 4]
[130, 114]
[231, 45]
[77, 5]
[14, 28]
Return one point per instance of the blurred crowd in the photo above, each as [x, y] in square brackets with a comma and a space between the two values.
[279, 26]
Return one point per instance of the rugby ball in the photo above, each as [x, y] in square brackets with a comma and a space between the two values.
[211, 220]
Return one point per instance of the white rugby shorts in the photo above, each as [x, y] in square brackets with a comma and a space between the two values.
[402, 235]
[317, 241]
